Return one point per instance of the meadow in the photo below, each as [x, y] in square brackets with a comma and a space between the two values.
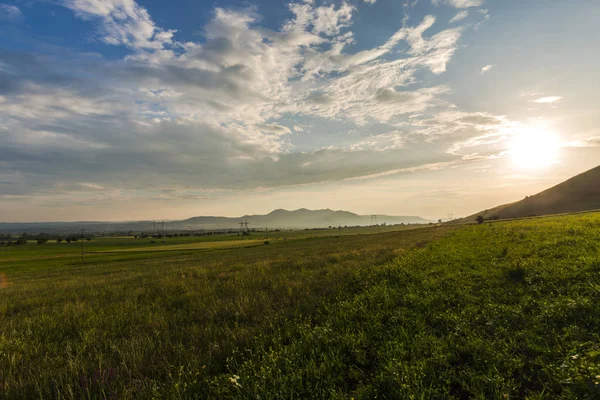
[497, 310]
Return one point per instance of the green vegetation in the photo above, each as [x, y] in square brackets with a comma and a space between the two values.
[496, 310]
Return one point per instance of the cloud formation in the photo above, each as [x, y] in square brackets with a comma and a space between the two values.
[459, 3]
[548, 99]
[223, 113]
[487, 68]
[122, 22]
[459, 16]
[9, 11]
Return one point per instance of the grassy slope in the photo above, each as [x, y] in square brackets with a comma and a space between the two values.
[579, 193]
[492, 311]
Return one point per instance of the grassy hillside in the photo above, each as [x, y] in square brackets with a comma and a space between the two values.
[502, 310]
[579, 193]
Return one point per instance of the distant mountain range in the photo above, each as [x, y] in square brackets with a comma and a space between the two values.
[283, 219]
[580, 193]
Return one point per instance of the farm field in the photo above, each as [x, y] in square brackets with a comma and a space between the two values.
[119, 244]
[497, 310]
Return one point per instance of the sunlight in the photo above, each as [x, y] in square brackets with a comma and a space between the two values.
[534, 146]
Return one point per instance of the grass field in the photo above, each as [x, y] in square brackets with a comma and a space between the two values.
[500, 310]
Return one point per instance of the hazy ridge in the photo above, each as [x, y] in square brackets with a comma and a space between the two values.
[297, 219]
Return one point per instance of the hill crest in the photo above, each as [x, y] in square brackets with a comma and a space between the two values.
[579, 193]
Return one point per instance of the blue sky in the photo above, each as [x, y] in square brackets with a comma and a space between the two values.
[116, 109]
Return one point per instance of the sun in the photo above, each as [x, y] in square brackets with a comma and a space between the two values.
[534, 146]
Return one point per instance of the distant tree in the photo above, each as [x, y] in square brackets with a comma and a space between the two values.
[42, 240]
[480, 219]
[21, 241]
[59, 239]
[440, 220]
[88, 238]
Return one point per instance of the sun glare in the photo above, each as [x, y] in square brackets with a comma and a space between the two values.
[534, 147]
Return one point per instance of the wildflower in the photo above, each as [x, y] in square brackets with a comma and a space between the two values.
[575, 356]
[234, 381]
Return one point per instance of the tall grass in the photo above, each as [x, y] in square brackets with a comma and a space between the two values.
[148, 326]
[501, 310]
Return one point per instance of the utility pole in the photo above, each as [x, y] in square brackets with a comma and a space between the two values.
[82, 247]
[340, 230]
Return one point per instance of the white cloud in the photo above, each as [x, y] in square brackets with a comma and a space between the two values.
[122, 22]
[10, 11]
[93, 186]
[370, 1]
[548, 99]
[217, 113]
[458, 123]
[459, 3]
[459, 16]
[382, 142]
[274, 129]
[487, 68]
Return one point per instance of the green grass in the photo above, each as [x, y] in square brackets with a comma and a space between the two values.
[502, 310]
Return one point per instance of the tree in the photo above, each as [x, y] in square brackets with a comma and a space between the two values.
[480, 219]
[42, 240]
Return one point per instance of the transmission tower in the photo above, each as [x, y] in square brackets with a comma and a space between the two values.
[374, 220]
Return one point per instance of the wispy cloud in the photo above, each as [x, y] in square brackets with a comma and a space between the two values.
[10, 11]
[459, 16]
[89, 185]
[459, 3]
[548, 99]
[122, 22]
[487, 68]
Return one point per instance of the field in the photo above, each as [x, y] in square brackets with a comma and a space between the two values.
[498, 310]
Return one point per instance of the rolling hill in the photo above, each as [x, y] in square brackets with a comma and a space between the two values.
[297, 219]
[580, 193]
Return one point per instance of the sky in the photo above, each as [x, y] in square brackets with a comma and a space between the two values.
[125, 110]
